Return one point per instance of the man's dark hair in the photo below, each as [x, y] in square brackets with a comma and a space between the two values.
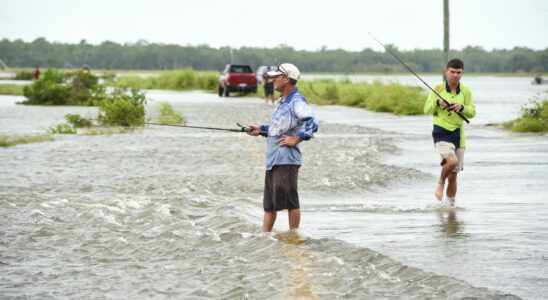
[292, 81]
[455, 63]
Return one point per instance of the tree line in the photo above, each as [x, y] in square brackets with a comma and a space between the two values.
[143, 55]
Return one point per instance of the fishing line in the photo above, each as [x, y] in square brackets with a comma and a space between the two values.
[408, 68]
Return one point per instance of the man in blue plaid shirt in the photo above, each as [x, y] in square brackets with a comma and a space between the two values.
[292, 122]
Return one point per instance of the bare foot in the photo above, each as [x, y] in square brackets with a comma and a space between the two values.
[439, 190]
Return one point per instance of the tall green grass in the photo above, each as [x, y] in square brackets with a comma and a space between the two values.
[8, 141]
[186, 79]
[167, 115]
[62, 128]
[11, 89]
[24, 75]
[534, 117]
[377, 96]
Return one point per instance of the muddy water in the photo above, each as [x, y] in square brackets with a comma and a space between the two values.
[167, 212]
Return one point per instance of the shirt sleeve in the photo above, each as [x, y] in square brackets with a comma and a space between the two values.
[430, 105]
[306, 117]
[469, 110]
[264, 127]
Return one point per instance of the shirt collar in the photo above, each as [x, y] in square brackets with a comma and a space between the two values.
[448, 88]
[290, 96]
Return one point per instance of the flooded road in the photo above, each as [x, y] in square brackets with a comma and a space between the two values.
[175, 213]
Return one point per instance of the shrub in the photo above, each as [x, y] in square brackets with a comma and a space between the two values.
[57, 88]
[534, 116]
[50, 89]
[77, 121]
[85, 89]
[123, 108]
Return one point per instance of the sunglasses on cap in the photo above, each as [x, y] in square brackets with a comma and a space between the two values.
[282, 70]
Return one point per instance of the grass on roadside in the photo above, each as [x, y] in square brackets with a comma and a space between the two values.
[8, 141]
[168, 115]
[11, 89]
[377, 96]
[62, 128]
[107, 130]
[534, 117]
[186, 79]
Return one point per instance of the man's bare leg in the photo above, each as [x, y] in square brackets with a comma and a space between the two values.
[294, 218]
[452, 187]
[268, 220]
[446, 170]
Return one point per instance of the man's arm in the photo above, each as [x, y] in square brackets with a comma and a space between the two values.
[306, 116]
[469, 110]
[430, 106]
[257, 129]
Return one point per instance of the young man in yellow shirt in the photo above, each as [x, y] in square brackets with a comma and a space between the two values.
[448, 132]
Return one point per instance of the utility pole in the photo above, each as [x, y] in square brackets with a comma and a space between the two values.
[3, 64]
[445, 33]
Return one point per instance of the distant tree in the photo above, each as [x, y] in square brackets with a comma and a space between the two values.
[144, 55]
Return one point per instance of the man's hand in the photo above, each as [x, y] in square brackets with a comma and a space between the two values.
[455, 106]
[441, 103]
[254, 130]
[288, 140]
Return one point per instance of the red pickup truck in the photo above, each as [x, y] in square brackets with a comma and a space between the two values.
[237, 78]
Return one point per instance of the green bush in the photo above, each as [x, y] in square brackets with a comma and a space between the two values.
[77, 121]
[50, 89]
[167, 115]
[85, 89]
[58, 88]
[534, 117]
[123, 108]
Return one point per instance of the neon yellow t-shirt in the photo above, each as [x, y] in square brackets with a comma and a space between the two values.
[450, 120]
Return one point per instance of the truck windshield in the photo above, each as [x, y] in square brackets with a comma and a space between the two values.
[240, 69]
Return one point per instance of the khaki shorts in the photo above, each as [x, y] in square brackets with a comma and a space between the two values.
[446, 149]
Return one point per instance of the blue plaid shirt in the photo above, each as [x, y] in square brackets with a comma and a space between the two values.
[293, 116]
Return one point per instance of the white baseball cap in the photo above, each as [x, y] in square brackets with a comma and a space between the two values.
[286, 69]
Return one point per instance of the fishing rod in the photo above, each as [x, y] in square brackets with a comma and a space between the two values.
[242, 128]
[408, 68]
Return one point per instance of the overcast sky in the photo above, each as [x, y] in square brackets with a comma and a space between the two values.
[302, 24]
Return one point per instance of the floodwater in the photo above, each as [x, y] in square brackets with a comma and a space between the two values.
[167, 212]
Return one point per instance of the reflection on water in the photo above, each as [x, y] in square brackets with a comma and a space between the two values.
[450, 224]
[299, 285]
